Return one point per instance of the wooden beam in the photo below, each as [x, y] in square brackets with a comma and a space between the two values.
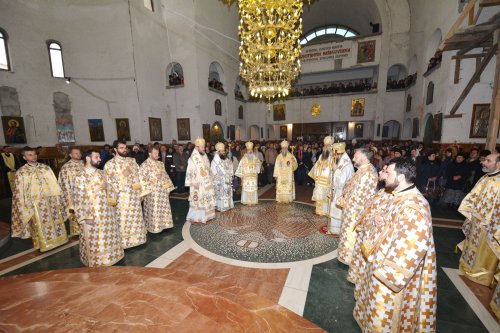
[479, 10]
[471, 16]
[474, 45]
[475, 77]
[457, 23]
[487, 3]
[469, 56]
[494, 123]
[456, 78]
[455, 115]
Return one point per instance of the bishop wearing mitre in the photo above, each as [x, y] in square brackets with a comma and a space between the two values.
[322, 174]
[248, 168]
[201, 185]
[284, 168]
[222, 169]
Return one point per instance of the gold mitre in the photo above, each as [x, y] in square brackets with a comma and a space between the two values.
[284, 144]
[328, 140]
[339, 147]
[199, 142]
[249, 145]
[220, 147]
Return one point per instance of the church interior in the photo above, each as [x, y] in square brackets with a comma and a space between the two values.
[409, 76]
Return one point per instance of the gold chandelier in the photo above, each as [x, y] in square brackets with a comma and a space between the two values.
[269, 33]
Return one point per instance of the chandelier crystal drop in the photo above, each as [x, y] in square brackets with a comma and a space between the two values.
[270, 50]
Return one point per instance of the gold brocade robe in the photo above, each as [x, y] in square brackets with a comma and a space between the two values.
[375, 210]
[283, 172]
[322, 174]
[357, 192]
[122, 174]
[156, 186]
[248, 168]
[36, 207]
[100, 243]
[10, 162]
[66, 180]
[201, 188]
[399, 288]
[480, 252]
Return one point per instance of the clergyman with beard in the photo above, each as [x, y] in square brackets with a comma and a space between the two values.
[122, 175]
[248, 168]
[398, 288]
[284, 168]
[222, 169]
[100, 237]
[201, 186]
[481, 207]
[322, 174]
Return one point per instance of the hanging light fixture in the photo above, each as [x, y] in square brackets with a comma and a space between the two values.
[269, 51]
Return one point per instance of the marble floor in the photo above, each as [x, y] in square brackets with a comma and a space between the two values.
[173, 283]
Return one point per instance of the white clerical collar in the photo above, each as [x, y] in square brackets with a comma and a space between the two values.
[494, 173]
[32, 165]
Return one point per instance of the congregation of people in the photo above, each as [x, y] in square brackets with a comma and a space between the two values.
[337, 87]
[375, 197]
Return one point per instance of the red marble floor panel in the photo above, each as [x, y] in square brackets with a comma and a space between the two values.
[483, 293]
[137, 299]
[266, 283]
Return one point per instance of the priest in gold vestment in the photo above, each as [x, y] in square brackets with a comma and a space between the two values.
[398, 292]
[201, 185]
[248, 168]
[284, 168]
[100, 238]
[122, 175]
[67, 175]
[322, 174]
[36, 204]
[357, 192]
[480, 252]
[156, 186]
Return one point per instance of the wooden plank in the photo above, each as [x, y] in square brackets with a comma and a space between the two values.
[487, 3]
[473, 80]
[494, 123]
[456, 78]
[457, 23]
[455, 115]
[478, 43]
[469, 56]
[471, 16]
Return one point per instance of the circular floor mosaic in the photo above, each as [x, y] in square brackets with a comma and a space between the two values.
[266, 233]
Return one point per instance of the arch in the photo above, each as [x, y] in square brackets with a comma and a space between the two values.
[429, 98]
[4, 51]
[391, 130]
[215, 76]
[240, 112]
[270, 132]
[428, 129]
[413, 65]
[396, 75]
[56, 58]
[218, 107]
[238, 89]
[216, 132]
[432, 44]
[409, 99]
[329, 31]
[254, 132]
[240, 133]
[174, 74]
[407, 128]
[415, 132]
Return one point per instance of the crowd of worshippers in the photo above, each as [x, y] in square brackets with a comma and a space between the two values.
[368, 193]
[393, 84]
[175, 79]
[435, 60]
[239, 94]
[335, 88]
[215, 84]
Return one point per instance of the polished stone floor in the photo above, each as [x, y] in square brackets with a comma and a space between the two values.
[318, 291]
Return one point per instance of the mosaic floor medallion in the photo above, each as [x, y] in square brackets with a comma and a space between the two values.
[266, 233]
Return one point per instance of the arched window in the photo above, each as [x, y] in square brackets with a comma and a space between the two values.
[4, 54]
[240, 112]
[56, 59]
[215, 77]
[330, 31]
[218, 107]
[430, 93]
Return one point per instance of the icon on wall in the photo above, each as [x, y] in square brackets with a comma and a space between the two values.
[357, 107]
[155, 133]
[480, 121]
[366, 51]
[96, 130]
[13, 130]
[122, 129]
[183, 129]
[279, 112]
[283, 132]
